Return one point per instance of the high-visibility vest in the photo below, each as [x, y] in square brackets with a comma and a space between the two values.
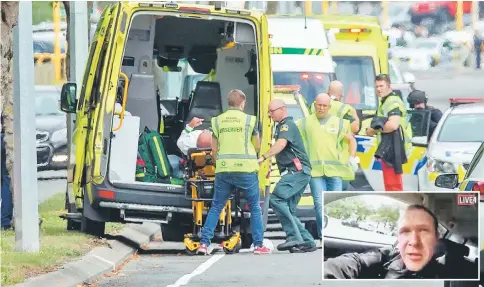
[236, 153]
[323, 144]
[394, 102]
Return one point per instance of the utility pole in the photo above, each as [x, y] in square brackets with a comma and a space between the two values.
[57, 34]
[324, 6]
[458, 16]
[25, 152]
[475, 13]
[78, 49]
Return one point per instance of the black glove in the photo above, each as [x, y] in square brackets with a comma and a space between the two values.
[378, 122]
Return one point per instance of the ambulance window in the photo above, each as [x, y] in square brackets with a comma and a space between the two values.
[358, 77]
[311, 84]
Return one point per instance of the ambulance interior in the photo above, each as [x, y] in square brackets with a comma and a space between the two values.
[168, 61]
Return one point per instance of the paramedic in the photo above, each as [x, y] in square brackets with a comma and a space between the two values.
[394, 134]
[345, 112]
[323, 136]
[414, 257]
[295, 170]
[189, 138]
[236, 167]
[339, 108]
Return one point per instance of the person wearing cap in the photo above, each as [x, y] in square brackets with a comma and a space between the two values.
[418, 100]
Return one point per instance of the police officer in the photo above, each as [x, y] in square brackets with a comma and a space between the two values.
[418, 100]
[392, 113]
[295, 169]
[323, 136]
[236, 164]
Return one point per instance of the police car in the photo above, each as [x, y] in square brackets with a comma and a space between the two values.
[454, 142]
[473, 180]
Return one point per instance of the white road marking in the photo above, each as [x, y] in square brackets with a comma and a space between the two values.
[182, 281]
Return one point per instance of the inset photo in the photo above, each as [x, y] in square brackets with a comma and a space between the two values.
[401, 236]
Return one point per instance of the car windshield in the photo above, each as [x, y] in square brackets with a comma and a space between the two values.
[295, 112]
[47, 103]
[453, 131]
[311, 83]
[358, 77]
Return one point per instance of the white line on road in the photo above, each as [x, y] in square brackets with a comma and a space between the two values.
[182, 281]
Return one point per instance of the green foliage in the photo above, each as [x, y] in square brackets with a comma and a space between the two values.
[354, 207]
[41, 11]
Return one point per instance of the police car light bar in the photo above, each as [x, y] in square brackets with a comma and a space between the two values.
[459, 101]
[355, 30]
[286, 88]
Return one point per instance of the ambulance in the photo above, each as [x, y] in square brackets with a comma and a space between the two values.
[132, 41]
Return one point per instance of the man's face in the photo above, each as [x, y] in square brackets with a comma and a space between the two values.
[322, 108]
[417, 239]
[382, 88]
[276, 113]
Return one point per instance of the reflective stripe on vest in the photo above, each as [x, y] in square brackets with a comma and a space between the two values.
[331, 165]
[236, 152]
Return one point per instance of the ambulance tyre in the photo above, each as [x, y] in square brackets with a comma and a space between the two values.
[71, 224]
[89, 226]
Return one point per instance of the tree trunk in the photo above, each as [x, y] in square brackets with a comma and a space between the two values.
[272, 7]
[9, 20]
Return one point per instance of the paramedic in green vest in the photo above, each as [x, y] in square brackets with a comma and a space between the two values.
[236, 167]
[295, 170]
[393, 111]
[345, 112]
[323, 136]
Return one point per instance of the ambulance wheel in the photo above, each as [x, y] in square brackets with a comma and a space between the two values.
[72, 224]
[246, 238]
[89, 226]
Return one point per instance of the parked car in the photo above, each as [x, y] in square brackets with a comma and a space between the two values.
[51, 129]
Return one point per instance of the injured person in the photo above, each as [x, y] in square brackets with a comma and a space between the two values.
[190, 138]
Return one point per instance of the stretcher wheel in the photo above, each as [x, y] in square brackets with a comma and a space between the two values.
[235, 250]
[190, 252]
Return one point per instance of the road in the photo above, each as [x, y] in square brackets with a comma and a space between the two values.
[165, 264]
[50, 183]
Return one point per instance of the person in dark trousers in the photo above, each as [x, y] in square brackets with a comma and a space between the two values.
[418, 101]
[7, 204]
[295, 169]
[414, 257]
[477, 48]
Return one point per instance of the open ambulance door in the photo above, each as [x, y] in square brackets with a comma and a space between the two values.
[371, 168]
[86, 104]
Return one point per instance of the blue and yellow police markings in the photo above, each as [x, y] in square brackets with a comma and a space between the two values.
[297, 51]
[467, 185]
[366, 149]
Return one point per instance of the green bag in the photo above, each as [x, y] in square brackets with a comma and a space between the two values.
[152, 164]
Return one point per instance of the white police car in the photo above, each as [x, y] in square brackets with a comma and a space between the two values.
[454, 142]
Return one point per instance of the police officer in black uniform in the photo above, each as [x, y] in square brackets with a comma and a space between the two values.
[418, 101]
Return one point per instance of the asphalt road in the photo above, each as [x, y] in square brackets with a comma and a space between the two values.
[50, 183]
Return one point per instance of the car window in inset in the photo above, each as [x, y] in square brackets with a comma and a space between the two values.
[364, 218]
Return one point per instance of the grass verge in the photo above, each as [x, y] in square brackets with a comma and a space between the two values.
[57, 245]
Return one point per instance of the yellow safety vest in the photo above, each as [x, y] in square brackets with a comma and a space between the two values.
[394, 102]
[323, 144]
[235, 153]
[339, 109]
